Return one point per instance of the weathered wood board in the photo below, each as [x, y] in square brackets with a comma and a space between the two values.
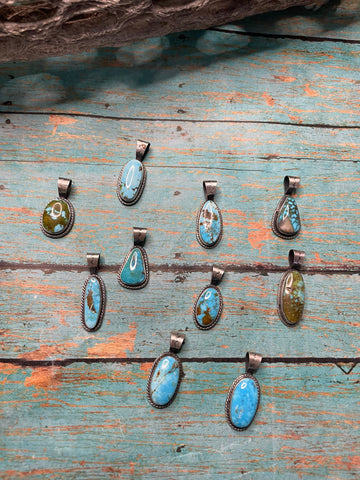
[279, 95]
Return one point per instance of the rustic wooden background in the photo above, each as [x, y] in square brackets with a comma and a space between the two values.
[244, 104]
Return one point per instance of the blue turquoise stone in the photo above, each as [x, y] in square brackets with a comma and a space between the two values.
[288, 221]
[165, 380]
[133, 272]
[244, 403]
[131, 177]
[209, 223]
[93, 302]
[207, 307]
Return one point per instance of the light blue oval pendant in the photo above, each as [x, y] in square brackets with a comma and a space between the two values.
[209, 224]
[286, 219]
[243, 397]
[132, 178]
[209, 304]
[134, 272]
[93, 297]
[166, 374]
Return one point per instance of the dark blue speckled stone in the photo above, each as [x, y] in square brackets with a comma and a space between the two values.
[288, 220]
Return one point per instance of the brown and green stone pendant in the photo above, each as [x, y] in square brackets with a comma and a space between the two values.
[291, 292]
[209, 304]
[58, 216]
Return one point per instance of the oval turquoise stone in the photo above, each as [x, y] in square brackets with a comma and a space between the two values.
[288, 221]
[207, 307]
[209, 223]
[56, 217]
[293, 297]
[133, 272]
[93, 302]
[130, 180]
[244, 403]
[164, 380]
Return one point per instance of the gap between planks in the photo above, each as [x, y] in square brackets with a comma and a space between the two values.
[188, 120]
[262, 269]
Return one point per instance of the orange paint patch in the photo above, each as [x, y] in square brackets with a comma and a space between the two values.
[268, 99]
[283, 78]
[44, 377]
[310, 92]
[57, 120]
[8, 369]
[295, 119]
[145, 367]
[258, 235]
[115, 346]
[46, 352]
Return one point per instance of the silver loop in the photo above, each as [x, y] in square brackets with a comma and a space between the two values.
[296, 258]
[64, 187]
[93, 260]
[209, 189]
[217, 275]
[139, 236]
[177, 340]
[291, 184]
[252, 362]
[141, 149]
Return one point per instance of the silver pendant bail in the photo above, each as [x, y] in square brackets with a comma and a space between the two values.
[217, 275]
[209, 189]
[252, 362]
[142, 148]
[64, 187]
[177, 340]
[139, 236]
[296, 258]
[93, 260]
[291, 184]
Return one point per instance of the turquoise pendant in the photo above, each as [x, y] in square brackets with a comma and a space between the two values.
[93, 296]
[291, 291]
[134, 272]
[209, 304]
[209, 224]
[58, 216]
[166, 374]
[132, 178]
[243, 398]
[286, 219]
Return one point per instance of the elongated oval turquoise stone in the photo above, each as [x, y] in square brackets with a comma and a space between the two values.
[244, 403]
[130, 182]
[293, 297]
[209, 227]
[207, 307]
[92, 303]
[164, 380]
[133, 272]
[56, 217]
[288, 220]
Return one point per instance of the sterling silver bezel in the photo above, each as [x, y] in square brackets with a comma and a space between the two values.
[146, 265]
[70, 224]
[154, 365]
[214, 322]
[198, 236]
[275, 217]
[229, 398]
[102, 307]
[141, 186]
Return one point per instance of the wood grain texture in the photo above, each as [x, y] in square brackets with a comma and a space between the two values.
[41, 317]
[196, 76]
[248, 162]
[93, 421]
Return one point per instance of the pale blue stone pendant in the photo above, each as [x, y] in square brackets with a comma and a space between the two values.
[132, 178]
[209, 304]
[286, 219]
[243, 398]
[209, 224]
[166, 374]
[134, 272]
[93, 296]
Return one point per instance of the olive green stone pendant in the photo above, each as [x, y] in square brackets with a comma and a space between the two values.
[93, 296]
[286, 219]
[291, 292]
[58, 216]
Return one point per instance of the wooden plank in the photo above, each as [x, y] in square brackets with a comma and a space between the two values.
[93, 421]
[249, 164]
[336, 20]
[196, 76]
[40, 314]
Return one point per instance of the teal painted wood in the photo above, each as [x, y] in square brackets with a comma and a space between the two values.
[195, 76]
[40, 314]
[93, 421]
[249, 165]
